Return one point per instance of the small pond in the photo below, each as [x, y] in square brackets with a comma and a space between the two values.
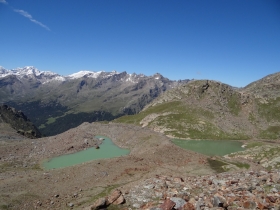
[107, 150]
[210, 147]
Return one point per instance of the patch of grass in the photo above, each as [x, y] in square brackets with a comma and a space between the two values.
[51, 120]
[42, 126]
[4, 206]
[267, 188]
[272, 132]
[270, 110]
[216, 165]
[234, 104]
[253, 144]
[6, 166]
[104, 193]
[37, 167]
[182, 121]
[241, 165]
[252, 117]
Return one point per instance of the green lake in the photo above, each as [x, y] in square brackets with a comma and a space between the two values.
[210, 147]
[107, 150]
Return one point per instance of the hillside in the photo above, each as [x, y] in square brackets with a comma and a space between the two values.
[50, 99]
[11, 119]
[203, 109]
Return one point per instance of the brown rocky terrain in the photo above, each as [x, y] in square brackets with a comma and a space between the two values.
[243, 190]
[155, 174]
[24, 185]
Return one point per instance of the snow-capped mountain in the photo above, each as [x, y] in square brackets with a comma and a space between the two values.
[44, 77]
[79, 97]
[84, 74]
[31, 72]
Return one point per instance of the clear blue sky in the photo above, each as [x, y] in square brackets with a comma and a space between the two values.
[233, 41]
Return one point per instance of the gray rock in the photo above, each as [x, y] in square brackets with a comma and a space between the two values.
[136, 205]
[70, 204]
[274, 190]
[179, 202]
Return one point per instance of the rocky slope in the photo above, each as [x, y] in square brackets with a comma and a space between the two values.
[155, 175]
[203, 109]
[50, 99]
[243, 190]
[18, 121]
[24, 185]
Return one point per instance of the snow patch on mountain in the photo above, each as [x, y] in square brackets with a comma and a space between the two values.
[84, 73]
[31, 72]
[44, 77]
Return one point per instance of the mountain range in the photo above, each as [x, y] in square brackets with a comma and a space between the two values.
[56, 103]
[205, 109]
[195, 109]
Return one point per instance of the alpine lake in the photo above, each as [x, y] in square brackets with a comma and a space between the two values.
[107, 150]
[210, 147]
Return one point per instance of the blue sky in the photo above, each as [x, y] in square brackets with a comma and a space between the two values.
[233, 41]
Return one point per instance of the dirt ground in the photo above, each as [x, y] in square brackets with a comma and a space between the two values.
[25, 185]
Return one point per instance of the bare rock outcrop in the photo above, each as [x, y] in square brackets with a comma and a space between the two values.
[18, 121]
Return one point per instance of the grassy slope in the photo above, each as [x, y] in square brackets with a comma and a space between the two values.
[210, 110]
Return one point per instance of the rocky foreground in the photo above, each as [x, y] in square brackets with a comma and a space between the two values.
[243, 190]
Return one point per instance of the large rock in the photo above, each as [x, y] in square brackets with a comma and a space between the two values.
[188, 206]
[179, 202]
[168, 205]
[114, 196]
[120, 200]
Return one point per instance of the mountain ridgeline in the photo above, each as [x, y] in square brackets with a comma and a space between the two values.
[197, 109]
[205, 109]
[56, 103]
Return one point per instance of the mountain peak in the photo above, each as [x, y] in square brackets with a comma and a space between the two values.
[84, 73]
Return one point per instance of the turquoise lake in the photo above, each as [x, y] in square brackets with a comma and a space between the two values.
[210, 147]
[107, 150]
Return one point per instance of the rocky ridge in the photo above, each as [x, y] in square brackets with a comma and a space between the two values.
[18, 121]
[205, 109]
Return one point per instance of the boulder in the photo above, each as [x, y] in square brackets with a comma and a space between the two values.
[249, 205]
[114, 196]
[120, 200]
[188, 206]
[168, 204]
[179, 202]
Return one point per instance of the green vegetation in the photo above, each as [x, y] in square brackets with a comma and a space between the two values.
[253, 144]
[37, 167]
[234, 104]
[241, 165]
[252, 118]
[6, 166]
[51, 120]
[270, 110]
[272, 132]
[4, 206]
[181, 121]
[216, 165]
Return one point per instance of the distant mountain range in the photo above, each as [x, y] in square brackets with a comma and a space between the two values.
[56, 103]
